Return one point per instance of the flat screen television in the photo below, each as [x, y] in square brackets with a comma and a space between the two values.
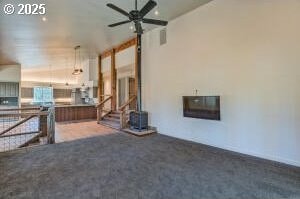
[202, 107]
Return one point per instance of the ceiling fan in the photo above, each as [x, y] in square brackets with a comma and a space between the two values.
[138, 16]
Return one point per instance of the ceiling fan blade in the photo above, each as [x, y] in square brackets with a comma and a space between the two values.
[155, 22]
[120, 23]
[123, 12]
[147, 8]
[139, 28]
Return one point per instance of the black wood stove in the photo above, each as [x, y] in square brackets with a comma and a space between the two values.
[139, 120]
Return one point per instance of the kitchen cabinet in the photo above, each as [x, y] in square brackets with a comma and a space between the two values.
[9, 89]
[75, 113]
[2, 89]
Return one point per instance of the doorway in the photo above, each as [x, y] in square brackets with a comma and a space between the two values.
[122, 97]
[131, 92]
[126, 90]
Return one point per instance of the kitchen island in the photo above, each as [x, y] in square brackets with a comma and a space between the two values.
[65, 113]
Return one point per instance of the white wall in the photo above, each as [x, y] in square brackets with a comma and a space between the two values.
[10, 73]
[247, 52]
[93, 70]
[60, 76]
[125, 62]
[84, 78]
[106, 64]
[125, 57]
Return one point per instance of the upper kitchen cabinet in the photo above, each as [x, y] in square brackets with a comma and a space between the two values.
[8, 89]
[2, 89]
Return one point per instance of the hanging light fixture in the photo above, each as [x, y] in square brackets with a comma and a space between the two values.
[77, 70]
[50, 71]
[66, 61]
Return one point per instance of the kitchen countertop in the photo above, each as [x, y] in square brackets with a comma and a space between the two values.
[8, 107]
[75, 105]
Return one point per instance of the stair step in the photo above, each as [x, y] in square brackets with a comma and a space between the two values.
[111, 124]
[34, 144]
[116, 112]
[114, 115]
[110, 119]
[113, 119]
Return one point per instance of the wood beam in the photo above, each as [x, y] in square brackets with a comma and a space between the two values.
[122, 46]
[100, 80]
[113, 81]
[126, 45]
[106, 54]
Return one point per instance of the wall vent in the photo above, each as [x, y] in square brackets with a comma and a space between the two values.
[163, 36]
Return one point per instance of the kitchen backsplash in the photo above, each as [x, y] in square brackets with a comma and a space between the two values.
[58, 93]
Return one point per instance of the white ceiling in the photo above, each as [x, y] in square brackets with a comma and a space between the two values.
[35, 44]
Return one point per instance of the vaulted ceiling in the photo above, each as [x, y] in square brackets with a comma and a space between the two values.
[35, 44]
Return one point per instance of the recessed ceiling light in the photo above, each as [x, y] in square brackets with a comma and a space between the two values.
[44, 19]
[156, 12]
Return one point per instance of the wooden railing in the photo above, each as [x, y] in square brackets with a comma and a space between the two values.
[22, 127]
[123, 109]
[100, 108]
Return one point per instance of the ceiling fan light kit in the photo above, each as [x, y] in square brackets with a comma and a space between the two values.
[138, 119]
[138, 16]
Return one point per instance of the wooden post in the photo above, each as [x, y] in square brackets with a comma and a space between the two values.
[51, 125]
[100, 88]
[43, 122]
[100, 80]
[99, 113]
[123, 119]
[113, 81]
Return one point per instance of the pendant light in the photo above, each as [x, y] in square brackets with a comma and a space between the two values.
[50, 71]
[77, 69]
[67, 62]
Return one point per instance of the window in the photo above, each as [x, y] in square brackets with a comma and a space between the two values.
[42, 94]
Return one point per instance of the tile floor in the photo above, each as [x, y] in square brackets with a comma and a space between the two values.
[79, 130]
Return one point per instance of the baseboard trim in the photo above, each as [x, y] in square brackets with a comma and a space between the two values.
[265, 156]
[245, 152]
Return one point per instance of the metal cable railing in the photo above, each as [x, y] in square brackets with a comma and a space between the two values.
[23, 127]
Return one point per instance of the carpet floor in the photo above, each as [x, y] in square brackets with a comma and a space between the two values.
[120, 166]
